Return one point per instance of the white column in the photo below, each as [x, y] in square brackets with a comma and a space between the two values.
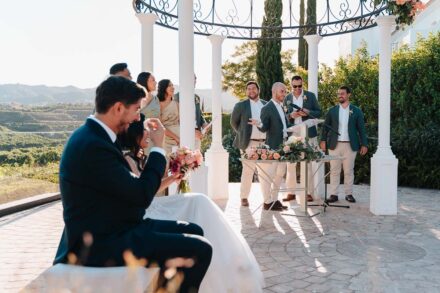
[313, 41]
[186, 73]
[147, 21]
[383, 192]
[217, 157]
[313, 64]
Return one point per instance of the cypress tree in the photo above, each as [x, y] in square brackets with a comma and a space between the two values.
[302, 44]
[268, 64]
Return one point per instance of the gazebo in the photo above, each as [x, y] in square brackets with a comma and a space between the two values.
[226, 19]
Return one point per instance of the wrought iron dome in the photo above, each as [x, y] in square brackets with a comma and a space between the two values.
[242, 19]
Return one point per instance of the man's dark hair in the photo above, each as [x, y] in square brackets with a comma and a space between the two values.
[118, 67]
[162, 88]
[117, 89]
[254, 83]
[346, 88]
[296, 77]
[142, 79]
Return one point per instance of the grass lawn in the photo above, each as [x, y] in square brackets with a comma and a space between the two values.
[24, 181]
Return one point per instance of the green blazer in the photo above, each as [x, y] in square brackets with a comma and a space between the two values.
[272, 125]
[356, 128]
[310, 103]
[199, 115]
[239, 122]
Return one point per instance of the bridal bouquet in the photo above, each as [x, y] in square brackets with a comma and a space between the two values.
[261, 153]
[182, 161]
[297, 149]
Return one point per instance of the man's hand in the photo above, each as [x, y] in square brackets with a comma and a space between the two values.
[199, 134]
[255, 122]
[295, 115]
[363, 150]
[156, 130]
[304, 112]
[323, 146]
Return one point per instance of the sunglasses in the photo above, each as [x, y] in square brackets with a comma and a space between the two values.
[297, 86]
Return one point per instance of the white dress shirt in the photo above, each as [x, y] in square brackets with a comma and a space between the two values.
[113, 136]
[299, 102]
[256, 107]
[344, 114]
[282, 116]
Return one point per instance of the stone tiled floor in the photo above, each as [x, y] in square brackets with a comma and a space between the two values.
[342, 250]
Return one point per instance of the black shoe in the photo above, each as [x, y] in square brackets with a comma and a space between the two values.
[279, 204]
[333, 198]
[272, 207]
[350, 198]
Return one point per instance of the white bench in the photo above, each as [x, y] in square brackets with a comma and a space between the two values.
[70, 278]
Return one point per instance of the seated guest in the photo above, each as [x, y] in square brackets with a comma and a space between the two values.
[104, 204]
[135, 140]
[120, 69]
[169, 114]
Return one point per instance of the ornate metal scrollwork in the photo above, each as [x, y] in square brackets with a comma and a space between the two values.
[231, 20]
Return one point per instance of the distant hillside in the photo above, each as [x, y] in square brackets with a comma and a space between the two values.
[44, 95]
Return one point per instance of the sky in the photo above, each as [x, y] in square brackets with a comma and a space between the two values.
[76, 42]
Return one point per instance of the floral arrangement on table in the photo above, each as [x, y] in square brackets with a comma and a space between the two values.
[404, 10]
[297, 149]
[261, 153]
[182, 161]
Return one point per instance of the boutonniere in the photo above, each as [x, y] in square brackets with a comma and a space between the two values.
[305, 98]
[289, 102]
[285, 109]
[351, 112]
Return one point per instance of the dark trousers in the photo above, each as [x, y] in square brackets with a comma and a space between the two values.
[182, 239]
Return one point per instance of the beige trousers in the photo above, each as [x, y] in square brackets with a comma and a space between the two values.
[342, 149]
[247, 174]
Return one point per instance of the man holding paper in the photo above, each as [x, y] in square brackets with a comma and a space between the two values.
[301, 105]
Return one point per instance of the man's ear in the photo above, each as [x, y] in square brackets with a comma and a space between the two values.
[118, 107]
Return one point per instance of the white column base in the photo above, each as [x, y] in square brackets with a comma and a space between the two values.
[198, 181]
[383, 190]
[218, 176]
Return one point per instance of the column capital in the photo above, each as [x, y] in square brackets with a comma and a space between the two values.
[216, 39]
[386, 20]
[313, 39]
[147, 18]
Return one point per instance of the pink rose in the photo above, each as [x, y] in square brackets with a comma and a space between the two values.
[276, 156]
[286, 148]
[264, 157]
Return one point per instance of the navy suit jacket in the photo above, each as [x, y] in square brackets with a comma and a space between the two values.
[101, 197]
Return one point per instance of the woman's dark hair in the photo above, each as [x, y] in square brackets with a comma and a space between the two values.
[130, 139]
[142, 79]
[162, 88]
[117, 89]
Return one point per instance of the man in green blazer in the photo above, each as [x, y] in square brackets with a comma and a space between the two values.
[248, 136]
[273, 121]
[351, 138]
[309, 108]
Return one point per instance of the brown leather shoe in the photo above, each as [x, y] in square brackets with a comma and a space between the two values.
[272, 206]
[309, 197]
[244, 202]
[290, 196]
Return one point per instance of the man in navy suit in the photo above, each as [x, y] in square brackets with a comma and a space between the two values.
[104, 204]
